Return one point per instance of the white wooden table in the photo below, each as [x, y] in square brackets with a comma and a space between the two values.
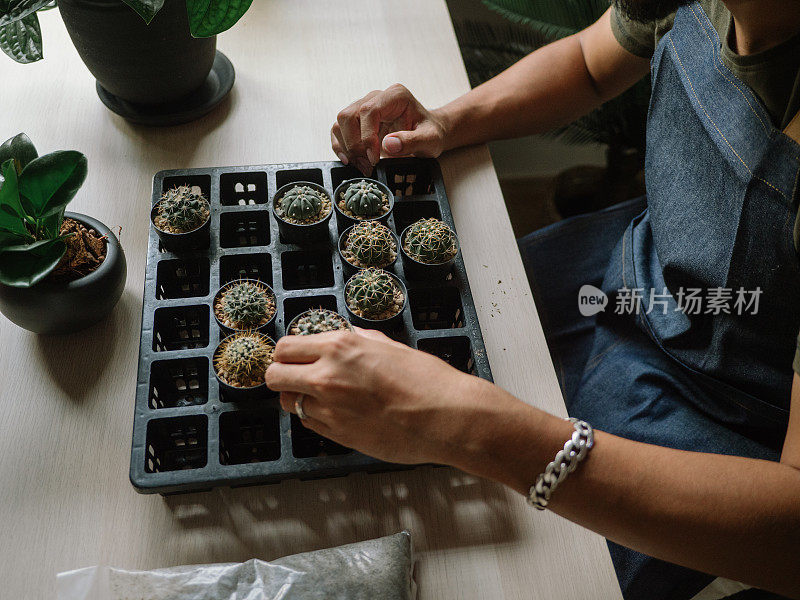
[66, 404]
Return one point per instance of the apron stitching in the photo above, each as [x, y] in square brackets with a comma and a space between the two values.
[767, 129]
[700, 104]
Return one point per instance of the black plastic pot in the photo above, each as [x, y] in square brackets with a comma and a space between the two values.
[293, 321]
[197, 239]
[385, 325]
[267, 328]
[231, 393]
[140, 63]
[295, 233]
[344, 220]
[53, 308]
[349, 268]
[415, 269]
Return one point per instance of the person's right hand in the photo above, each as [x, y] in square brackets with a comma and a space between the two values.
[390, 122]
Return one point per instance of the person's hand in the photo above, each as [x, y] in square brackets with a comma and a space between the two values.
[390, 122]
[377, 396]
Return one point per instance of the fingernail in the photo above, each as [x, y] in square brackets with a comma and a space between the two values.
[342, 157]
[392, 144]
[364, 166]
[371, 156]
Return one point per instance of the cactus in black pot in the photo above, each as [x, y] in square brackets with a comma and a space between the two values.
[374, 295]
[369, 244]
[302, 204]
[317, 320]
[241, 360]
[429, 249]
[362, 200]
[244, 304]
[181, 210]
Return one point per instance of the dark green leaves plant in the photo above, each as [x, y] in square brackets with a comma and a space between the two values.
[21, 36]
[34, 193]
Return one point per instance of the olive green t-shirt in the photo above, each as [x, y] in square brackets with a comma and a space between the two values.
[773, 75]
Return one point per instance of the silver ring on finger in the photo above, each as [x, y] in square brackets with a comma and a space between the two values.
[298, 407]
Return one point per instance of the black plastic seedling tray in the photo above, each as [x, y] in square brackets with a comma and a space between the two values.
[186, 436]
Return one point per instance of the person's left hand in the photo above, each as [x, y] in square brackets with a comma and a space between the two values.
[375, 395]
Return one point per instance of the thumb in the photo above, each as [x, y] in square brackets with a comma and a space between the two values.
[424, 141]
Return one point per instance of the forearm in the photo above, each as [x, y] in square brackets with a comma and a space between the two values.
[730, 516]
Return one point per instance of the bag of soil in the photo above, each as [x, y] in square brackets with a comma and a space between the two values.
[380, 568]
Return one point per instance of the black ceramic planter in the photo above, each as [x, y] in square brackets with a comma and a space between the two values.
[294, 321]
[231, 393]
[349, 268]
[136, 62]
[197, 239]
[344, 220]
[295, 233]
[267, 328]
[385, 325]
[54, 308]
[415, 269]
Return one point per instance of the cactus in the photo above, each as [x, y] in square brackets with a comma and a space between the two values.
[302, 203]
[318, 320]
[181, 210]
[364, 199]
[370, 244]
[242, 359]
[246, 305]
[430, 241]
[373, 294]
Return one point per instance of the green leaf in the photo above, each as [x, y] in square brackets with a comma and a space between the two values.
[22, 40]
[147, 9]
[51, 181]
[20, 148]
[210, 17]
[11, 215]
[25, 265]
[14, 10]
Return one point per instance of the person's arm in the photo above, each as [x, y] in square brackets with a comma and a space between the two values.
[550, 87]
[729, 516]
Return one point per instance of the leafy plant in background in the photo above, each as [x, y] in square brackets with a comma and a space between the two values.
[489, 49]
[21, 36]
[34, 192]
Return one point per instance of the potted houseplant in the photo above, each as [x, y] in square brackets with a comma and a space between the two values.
[182, 219]
[362, 200]
[245, 304]
[303, 210]
[367, 244]
[151, 58]
[240, 362]
[375, 299]
[429, 249]
[59, 271]
[317, 320]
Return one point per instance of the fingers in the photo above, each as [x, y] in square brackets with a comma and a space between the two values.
[337, 143]
[281, 377]
[349, 123]
[424, 141]
[299, 348]
[288, 403]
[385, 107]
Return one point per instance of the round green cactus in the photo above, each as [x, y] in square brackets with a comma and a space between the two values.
[370, 244]
[430, 241]
[371, 292]
[318, 320]
[302, 203]
[182, 210]
[246, 304]
[364, 199]
[242, 359]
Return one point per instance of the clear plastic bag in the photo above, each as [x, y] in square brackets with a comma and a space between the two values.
[375, 569]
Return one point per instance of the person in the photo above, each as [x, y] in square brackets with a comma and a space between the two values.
[694, 466]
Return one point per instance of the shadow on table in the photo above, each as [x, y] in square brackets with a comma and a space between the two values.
[442, 507]
[77, 362]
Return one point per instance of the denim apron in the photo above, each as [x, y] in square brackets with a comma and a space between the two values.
[721, 184]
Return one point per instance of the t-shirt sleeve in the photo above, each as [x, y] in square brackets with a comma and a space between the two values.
[636, 38]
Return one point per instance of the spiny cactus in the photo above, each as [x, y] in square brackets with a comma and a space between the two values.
[370, 244]
[318, 320]
[246, 305]
[303, 203]
[181, 210]
[365, 199]
[242, 359]
[430, 241]
[373, 294]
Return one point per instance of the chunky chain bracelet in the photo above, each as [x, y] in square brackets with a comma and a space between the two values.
[565, 462]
